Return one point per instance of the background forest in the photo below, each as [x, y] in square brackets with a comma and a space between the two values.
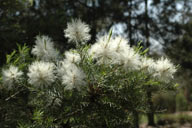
[163, 26]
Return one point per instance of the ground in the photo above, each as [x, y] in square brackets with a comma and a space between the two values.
[174, 120]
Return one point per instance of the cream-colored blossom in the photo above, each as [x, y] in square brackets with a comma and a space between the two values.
[115, 51]
[164, 69]
[147, 64]
[101, 50]
[72, 57]
[131, 59]
[73, 77]
[77, 31]
[44, 48]
[41, 73]
[62, 66]
[119, 47]
[11, 75]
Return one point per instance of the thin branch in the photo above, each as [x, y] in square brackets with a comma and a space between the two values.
[12, 96]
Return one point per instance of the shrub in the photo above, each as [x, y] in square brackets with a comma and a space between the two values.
[99, 85]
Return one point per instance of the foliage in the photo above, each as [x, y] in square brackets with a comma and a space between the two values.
[180, 52]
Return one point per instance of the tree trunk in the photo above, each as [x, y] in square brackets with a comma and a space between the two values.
[146, 24]
[136, 119]
[93, 22]
[150, 114]
[129, 23]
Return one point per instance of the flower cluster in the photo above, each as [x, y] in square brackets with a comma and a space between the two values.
[71, 75]
[116, 50]
[161, 69]
[107, 50]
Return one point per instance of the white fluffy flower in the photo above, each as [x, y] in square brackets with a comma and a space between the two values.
[77, 31]
[102, 50]
[119, 44]
[119, 47]
[147, 64]
[41, 73]
[73, 77]
[124, 54]
[115, 51]
[11, 75]
[131, 59]
[72, 57]
[62, 67]
[164, 69]
[44, 48]
[67, 63]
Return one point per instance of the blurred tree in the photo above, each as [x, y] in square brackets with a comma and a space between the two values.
[22, 20]
[10, 28]
[180, 51]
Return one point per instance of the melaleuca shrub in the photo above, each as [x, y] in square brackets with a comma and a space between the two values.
[99, 85]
